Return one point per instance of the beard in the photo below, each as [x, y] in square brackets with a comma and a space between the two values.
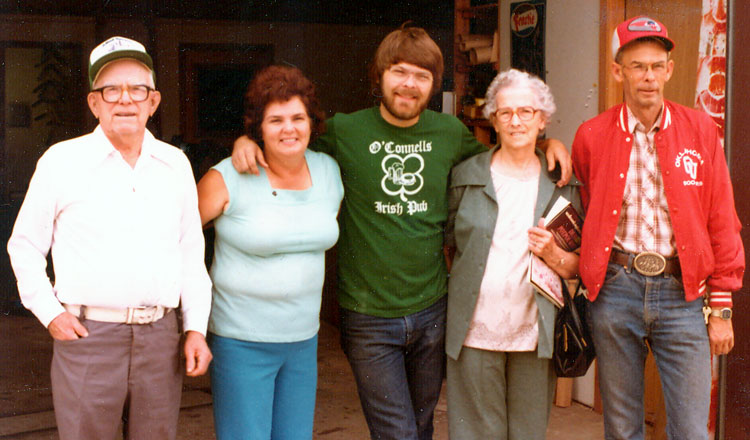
[404, 112]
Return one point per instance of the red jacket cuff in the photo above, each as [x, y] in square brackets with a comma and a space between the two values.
[718, 299]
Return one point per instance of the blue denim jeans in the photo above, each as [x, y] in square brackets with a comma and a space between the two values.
[630, 311]
[399, 364]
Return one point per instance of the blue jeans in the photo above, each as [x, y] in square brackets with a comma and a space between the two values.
[263, 390]
[399, 364]
[630, 311]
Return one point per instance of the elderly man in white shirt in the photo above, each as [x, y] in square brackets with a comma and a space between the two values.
[118, 209]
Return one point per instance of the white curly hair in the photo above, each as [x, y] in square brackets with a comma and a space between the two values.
[545, 102]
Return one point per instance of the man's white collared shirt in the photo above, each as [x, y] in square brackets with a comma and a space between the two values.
[120, 236]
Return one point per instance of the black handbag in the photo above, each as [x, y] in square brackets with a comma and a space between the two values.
[574, 349]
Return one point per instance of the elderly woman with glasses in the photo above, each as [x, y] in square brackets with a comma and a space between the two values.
[499, 330]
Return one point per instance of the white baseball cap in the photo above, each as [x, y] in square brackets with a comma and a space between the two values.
[116, 48]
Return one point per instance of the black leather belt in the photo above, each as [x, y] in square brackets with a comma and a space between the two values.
[647, 263]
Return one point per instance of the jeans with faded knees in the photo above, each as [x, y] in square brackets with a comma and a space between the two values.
[399, 365]
[631, 311]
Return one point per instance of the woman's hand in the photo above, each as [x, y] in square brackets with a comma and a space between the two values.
[246, 156]
[543, 245]
[541, 242]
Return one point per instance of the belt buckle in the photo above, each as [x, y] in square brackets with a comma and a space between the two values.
[649, 263]
[141, 315]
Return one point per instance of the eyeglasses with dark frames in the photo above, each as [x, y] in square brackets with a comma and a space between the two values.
[112, 94]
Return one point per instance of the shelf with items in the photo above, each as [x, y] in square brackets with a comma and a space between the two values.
[475, 61]
[482, 130]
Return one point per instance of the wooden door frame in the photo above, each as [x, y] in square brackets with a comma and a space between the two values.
[611, 13]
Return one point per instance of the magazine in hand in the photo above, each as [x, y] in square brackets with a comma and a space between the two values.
[545, 280]
[565, 225]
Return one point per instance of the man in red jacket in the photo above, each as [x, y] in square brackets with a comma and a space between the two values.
[661, 232]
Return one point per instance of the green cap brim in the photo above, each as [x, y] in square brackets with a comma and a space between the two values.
[142, 57]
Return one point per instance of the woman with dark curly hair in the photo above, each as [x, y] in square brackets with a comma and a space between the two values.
[272, 231]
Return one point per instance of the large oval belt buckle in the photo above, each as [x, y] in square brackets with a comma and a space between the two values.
[649, 263]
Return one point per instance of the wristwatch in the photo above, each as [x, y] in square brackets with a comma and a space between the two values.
[724, 313]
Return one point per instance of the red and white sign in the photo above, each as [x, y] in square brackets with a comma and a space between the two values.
[524, 19]
[712, 49]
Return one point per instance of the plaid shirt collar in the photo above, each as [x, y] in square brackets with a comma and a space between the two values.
[632, 121]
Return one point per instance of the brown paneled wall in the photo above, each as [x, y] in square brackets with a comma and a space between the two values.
[737, 420]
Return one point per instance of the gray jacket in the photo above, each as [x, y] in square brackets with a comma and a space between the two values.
[471, 223]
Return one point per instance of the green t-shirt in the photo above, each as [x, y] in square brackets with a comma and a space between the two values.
[390, 259]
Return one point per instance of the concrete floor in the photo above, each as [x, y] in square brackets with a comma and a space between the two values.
[26, 401]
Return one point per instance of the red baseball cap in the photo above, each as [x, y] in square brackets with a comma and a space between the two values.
[639, 27]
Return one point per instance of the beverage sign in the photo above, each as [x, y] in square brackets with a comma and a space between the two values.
[524, 19]
[527, 36]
